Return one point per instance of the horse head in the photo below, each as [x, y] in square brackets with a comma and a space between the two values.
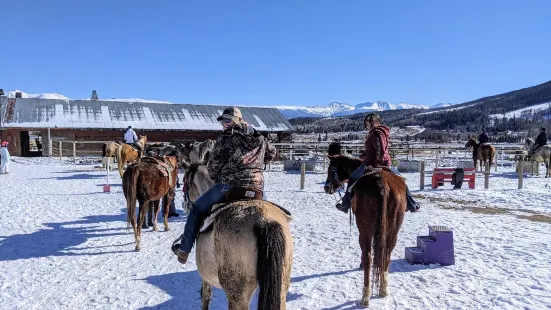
[339, 170]
[197, 176]
[143, 139]
[471, 143]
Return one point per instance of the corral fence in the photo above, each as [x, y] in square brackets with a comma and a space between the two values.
[312, 157]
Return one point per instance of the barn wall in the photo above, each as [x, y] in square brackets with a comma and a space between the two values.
[12, 135]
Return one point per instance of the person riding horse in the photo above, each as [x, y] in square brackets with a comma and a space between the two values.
[131, 138]
[541, 140]
[236, 161]
[376, 155]
[483, 137]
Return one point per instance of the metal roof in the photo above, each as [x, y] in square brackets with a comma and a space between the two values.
[50, 113]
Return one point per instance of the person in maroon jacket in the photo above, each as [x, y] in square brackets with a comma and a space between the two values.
[376, 155]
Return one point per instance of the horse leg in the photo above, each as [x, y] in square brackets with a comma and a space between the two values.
[143, 210]
[155, 213]
[167, 200]
[367, 259]
[239, 294]
[206, 295]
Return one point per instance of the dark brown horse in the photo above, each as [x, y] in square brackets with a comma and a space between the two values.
[379, 203]
[149, 181]
[481, 152]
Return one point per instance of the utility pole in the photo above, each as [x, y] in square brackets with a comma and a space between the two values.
[2, 100]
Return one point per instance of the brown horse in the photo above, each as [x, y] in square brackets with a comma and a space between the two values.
[481, 152]
[249, 245]
[109, 149]
[379, 203]
[149, 181]
[126, 153]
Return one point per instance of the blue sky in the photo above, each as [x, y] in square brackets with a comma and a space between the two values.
[276, 52]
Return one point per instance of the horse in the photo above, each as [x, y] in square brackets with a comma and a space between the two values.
[481, 152]
[126, 153]
[543, 154]
[149, 181]
[109, 149]
[249, 245]
[195, 152]
[379, 203]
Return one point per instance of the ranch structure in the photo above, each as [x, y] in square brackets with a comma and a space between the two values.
[30, 125]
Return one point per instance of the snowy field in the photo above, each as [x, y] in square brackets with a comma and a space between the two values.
[64, 245]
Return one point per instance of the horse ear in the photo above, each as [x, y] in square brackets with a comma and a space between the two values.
[206, 158]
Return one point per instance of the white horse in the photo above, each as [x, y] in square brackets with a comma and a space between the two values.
[543, 154]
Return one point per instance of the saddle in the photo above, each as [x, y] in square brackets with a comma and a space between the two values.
[164, 168]
[233, 195]
[370, 171]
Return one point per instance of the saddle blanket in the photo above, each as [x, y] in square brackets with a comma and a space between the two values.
[217, 208]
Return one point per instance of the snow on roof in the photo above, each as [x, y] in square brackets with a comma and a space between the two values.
[40, 113]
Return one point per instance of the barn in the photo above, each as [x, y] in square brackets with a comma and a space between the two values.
[29, 123]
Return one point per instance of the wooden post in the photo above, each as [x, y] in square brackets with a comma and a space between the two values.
[49, 143]
[520, 176]
[302, 174]
[496, 161]
[74, 151]
[422, 170]
[60, 151]
[487, 175]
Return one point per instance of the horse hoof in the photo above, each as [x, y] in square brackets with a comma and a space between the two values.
[137, 249]
[167, 229]
[364, 304]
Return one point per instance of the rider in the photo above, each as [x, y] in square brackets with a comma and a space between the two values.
[376, 154]
[541, 140]
[131, 138]
[237, 160]
[483, 137]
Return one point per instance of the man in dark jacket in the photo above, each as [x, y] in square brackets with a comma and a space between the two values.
[236, 160]
[483, 137]
[541, 140]
[376, 155]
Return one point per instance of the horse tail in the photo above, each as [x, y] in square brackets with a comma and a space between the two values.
[118, 156]
[103, 150]
[380, 256]
[270, 241]
[129, 183]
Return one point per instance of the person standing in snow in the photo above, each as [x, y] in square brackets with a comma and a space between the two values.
[376, 155]
[130, 137]
[5, 160]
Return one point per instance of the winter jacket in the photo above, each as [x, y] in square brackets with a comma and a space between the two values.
[376, 147]
[483, 138]
[5, 154]
[238, 158]
[541, 139]
[130, 136]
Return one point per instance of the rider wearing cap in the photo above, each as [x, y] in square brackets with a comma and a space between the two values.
[236, 160]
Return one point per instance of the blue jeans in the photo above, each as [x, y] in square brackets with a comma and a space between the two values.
[201, 207]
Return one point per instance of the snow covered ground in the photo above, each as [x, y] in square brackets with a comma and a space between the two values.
[64, 245]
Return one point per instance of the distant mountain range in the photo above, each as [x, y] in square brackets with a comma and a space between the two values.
[335, 109]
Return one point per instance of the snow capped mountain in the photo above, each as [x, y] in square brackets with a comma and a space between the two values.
[441, 105]
[343, 109]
